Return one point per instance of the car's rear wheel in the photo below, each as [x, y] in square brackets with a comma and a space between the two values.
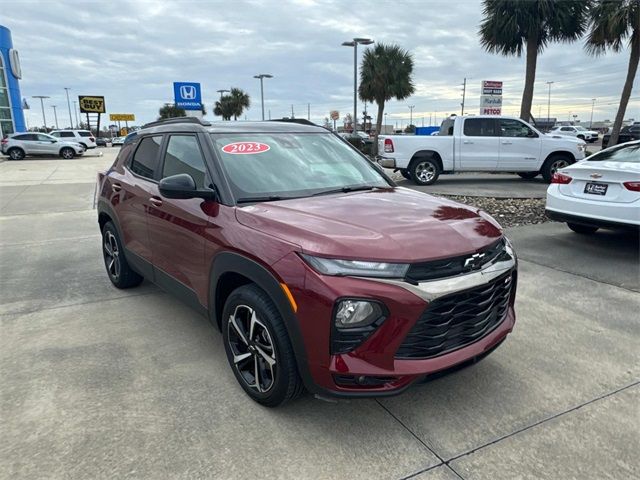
[424, 171]
[67, 153]
[583, 229]
[528, 175]
[258, 347]
[119, 271]
[16, 153]
[553, 164]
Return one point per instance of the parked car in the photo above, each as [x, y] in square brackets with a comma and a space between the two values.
[479, 144]
[18, 145]
[601, 192]
[117, 141]
[101, 141]
[627, 134]
[83, 137]
[577, 131]
[274, 231]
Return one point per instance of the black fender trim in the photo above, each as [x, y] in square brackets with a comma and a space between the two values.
[231, 262]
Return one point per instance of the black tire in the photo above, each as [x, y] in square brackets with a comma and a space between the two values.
[119, 272]
[553, 164]
[67, 153]
[581, 137]
[405, 173]
[528, 175]
[424, 171]
[582, 229]
[16, 153]
[84, 145]
[278, 382]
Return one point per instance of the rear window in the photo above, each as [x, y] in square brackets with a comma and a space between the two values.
[145, 160]
[84, 134]
[621, 153]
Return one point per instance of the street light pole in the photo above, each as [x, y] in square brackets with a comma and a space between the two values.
[75, 113]
[55, 115]
[411, 107]
[221, 92]
[549, 105]
[593, 102]
[354, 43]
[44, 118]
[464, 93]
[261, 76]
[69, 105]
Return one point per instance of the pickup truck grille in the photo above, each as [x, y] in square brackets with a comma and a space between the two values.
[454, 321]
[450, 267]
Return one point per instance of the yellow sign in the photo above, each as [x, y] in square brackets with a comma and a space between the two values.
[123, 132]
[91, 104]
[122, 117]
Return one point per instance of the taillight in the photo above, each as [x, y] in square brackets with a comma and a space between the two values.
[92, 139]
[4, 140]
[388, 145]
[633, 186]
[561, 178]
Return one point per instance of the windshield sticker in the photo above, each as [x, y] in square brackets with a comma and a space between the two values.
[245, 148]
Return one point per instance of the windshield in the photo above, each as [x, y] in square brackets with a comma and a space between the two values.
[622, 153]
[292, 164]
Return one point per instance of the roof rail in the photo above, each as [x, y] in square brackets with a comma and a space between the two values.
[166, 121]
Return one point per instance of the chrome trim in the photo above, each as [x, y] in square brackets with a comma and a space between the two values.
[432, 289]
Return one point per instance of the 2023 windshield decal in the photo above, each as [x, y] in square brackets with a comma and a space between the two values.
[245, 148]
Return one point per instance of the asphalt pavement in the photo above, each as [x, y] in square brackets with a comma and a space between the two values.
[103, 383]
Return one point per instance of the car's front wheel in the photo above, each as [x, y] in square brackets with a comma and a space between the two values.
[258, 347]
[583, 229]
[67, 153]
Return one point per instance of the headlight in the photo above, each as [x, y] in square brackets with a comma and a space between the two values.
[332, 266]
[582, 147]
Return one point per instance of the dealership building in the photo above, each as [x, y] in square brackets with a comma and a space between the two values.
[11, 114]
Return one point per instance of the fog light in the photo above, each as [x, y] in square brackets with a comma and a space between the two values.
[356, 313]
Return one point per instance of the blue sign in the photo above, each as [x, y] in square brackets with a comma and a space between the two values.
[187, 95]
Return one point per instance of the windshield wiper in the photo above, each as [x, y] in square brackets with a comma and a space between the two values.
[346, 189]
[266, 198]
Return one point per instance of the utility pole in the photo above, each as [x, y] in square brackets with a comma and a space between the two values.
[55, 115]
[309, 111]
[269, 114]
[464, 93]
[44, 118]
[69, 105]
[292, 114]
[593, 102]
[411, 107]
[549, 106]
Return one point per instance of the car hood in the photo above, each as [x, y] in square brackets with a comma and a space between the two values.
[395, 225]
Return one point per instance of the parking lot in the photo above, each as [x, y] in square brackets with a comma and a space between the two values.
[104, 383]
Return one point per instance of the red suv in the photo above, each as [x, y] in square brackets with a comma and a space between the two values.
[319, 271]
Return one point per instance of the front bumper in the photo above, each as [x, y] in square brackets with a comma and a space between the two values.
[373, 368]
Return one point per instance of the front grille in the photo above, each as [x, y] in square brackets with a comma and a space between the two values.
[449, 267]
[459, 319]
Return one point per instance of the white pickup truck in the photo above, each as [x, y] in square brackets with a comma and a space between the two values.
[479, 144]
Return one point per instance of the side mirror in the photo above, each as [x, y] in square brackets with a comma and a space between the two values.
[182, 186]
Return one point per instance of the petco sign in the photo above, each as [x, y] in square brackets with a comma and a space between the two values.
[187, 95]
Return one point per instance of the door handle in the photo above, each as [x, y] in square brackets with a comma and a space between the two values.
[155, 201]
[116, 187]
[507, 143]
[468, 142]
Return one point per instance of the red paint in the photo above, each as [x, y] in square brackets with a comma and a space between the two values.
[245, 148]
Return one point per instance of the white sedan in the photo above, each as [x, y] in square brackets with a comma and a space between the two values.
[603, 191]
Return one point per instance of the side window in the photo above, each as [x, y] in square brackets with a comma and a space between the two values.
[145, 159]
[55, 134]
[25, 138]
[479, 127]
[43, 138]
[184, 156]
[67, 134]
[514, 128]
[567, 129]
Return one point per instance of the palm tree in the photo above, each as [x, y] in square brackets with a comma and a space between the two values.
[224, 107]
[386, 73]
[239, 100]
[613, 21]
[169, 110]
[511, 26]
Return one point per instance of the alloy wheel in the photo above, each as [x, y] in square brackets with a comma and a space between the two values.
[557, 165]
[425, 171]
[254, 355]
[111, 255]
[67, 153]
[16, 154]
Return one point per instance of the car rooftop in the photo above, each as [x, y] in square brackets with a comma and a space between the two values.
[192, 123]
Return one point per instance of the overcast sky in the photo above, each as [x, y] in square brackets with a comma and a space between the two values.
[131, 52]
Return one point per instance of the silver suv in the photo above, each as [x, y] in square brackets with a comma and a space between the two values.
[83, 137]
[19, 145]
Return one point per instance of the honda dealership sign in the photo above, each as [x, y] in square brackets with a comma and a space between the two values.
[491, 98]
[187, 95]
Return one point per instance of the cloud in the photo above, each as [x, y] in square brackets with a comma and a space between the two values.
[131, 52]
